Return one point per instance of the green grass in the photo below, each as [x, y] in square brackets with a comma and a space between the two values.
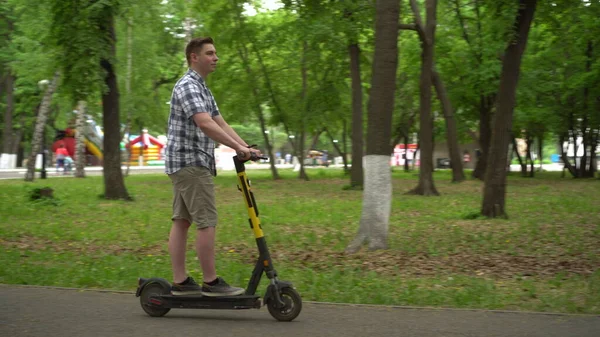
[545, 257]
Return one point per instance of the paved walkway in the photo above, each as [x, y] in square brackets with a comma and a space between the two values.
[36, 311]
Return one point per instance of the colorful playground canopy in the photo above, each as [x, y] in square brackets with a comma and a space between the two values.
[145, 140]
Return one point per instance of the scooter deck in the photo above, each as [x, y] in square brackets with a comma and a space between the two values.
[206, 302]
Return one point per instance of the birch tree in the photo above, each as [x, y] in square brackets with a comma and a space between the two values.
[377, 195]
[39, 127]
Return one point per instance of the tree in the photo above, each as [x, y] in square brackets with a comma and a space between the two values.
[473, 42]
[377, 195]
[427, 33]
[114, 185]
[352, 13]
[570, 62]
[79, 142]
[39, 127]
[356, 171]
[494, 191]
[25, 60]
[7, 78]
[442, 94]
[85, 35]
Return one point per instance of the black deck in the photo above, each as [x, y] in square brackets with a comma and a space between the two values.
[207, 302]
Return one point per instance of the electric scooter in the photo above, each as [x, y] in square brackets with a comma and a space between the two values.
[281, 298]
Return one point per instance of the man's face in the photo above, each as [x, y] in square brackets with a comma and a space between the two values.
[206, 59]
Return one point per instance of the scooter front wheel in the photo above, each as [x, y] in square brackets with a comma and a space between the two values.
[292, 305]
[153, 309]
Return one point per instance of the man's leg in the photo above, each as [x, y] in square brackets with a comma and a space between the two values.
[177, 246]
[205, 248]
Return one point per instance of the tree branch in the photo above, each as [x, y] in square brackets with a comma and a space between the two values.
[418, 21]
[461, 20]
[407, 26]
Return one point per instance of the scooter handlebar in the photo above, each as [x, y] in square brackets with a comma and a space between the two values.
[253, 157]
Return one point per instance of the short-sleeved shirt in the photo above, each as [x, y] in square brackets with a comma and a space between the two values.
[187, 145]
[61, 153]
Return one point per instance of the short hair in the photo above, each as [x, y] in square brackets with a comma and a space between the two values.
[196, 44]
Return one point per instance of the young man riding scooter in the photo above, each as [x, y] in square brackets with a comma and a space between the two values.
[195, 124]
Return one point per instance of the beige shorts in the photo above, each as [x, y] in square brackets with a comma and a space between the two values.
[194, 196]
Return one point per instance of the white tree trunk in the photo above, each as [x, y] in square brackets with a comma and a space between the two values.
[377, 204]
[39, 127]
[80, 159]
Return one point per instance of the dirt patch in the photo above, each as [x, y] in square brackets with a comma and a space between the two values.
[395, 263]
[388, 263]
[28, 243]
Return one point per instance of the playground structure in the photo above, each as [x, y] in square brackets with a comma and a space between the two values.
[92, 137]
[146, 150]
[401, 155]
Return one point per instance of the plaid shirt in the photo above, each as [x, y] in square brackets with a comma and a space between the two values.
[187, 145]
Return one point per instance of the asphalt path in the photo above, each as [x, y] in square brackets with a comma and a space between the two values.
[40, 311]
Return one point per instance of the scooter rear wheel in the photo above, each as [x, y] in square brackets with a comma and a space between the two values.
[292, 307]
[153, 289]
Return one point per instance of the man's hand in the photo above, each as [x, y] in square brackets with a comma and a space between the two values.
[256, 152]
[245, 153]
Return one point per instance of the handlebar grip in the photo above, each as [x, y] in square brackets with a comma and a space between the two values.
[254, 157]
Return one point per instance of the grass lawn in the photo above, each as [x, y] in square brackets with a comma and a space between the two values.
[545, 257]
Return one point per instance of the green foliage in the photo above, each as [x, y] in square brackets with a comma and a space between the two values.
[261, 60]
[82, 42]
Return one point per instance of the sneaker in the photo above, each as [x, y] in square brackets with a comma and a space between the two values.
[187, 287]
[220, 289]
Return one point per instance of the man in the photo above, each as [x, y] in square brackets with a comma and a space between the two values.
[195, 124]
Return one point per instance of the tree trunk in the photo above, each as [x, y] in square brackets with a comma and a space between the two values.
[301, 155]
[80, 159]
[340, 151]
[485, 101]
[344, 153]
[593, 157]
[128, 104]
[36, 143]
[529, 142]
[516, 151]
[356, 173]
[485, 135]
[529, 156]
[263, 128]
[406, 167]
[458, 174]
[16, 142]
[587, 132]
[377, 195]
[565, 159]
[8, 114]
[494, 193]
[114, 186]
[540, 149]
[426, 186]
[243, 53]
[305, 104]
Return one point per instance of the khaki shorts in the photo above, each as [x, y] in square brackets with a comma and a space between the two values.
[194, 196]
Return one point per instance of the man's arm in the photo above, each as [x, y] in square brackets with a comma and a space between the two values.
[213, 130]
[229, 130]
